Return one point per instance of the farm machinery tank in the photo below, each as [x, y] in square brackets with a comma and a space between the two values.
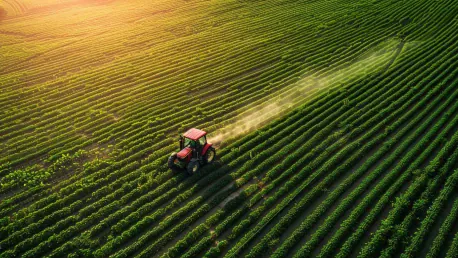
[194, 152]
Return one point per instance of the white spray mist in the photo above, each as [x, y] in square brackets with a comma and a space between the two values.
[294, 95]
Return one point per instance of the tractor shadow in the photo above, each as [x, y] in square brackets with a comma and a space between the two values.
[204, 170]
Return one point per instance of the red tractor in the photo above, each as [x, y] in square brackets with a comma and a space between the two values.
[194, 152]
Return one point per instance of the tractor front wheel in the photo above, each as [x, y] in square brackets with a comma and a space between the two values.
[210, 156]
[193, 167]
[171, 161]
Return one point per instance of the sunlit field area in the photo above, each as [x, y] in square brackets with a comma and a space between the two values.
[334, 124]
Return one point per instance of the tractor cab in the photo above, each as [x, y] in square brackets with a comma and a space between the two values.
[194, 151]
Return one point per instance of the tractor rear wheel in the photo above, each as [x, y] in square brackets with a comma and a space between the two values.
[171, 161]
[210, 156]
[193, 167]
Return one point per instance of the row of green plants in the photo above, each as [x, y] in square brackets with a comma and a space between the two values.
[404, 202]
[444, 232]
[388, 196]
[365, 184]
[392, 158]
[289, 220]
[419, 209]
[333, 196]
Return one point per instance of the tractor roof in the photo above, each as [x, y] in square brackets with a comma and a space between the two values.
[194, 134]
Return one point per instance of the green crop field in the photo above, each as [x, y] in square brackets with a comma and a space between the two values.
[335, 124]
